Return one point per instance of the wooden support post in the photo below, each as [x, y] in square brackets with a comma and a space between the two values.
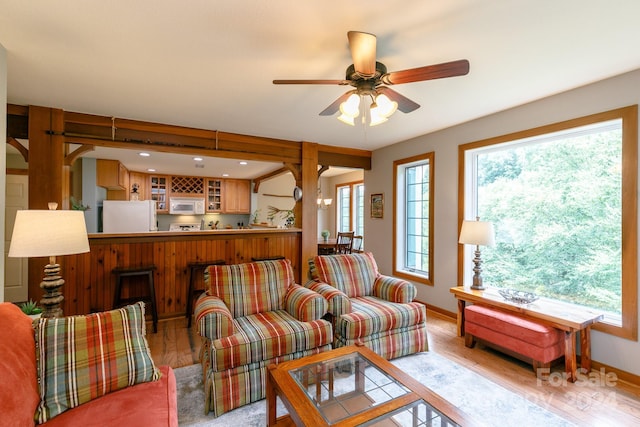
[47, 179]
[309, 246]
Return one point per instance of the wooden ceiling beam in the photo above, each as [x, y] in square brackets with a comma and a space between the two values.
[344, 157]
[71, 157]
[258, 180]
[21, 148]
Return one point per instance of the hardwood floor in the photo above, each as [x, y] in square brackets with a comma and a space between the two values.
[599, 400]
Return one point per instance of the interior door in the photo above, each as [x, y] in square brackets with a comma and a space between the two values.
[16, 269]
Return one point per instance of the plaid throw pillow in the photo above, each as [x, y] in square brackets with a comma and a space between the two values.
[80, 358]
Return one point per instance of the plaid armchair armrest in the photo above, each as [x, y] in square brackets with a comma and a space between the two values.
[393, 289]
[213, 318]
[305, 304]
[338, 302]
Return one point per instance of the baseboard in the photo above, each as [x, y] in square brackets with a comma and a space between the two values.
[621, 375]
[444, 313]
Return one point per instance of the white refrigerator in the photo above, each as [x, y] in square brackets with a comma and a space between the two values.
[120, 216]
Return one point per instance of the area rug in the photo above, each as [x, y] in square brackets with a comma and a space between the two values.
[482, 399]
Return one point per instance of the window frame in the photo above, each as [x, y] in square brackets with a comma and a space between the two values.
[399, 234]
[353, 204]
[629, 117]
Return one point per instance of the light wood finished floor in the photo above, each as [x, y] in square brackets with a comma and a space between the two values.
[592, 402]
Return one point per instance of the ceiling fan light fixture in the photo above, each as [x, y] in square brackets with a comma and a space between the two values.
[385, 106]
[346, 119]
[351, 107]
[376, 118]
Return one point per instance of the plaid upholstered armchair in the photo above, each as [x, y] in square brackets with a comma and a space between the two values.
[250, 316]
[367, 307]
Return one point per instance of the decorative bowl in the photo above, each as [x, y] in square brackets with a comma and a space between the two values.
[518, 297]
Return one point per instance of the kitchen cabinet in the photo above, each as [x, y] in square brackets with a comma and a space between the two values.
[112, 175]
[237, 196]
[214, 195]
[142, 180]
[187, 186]
[158, 187]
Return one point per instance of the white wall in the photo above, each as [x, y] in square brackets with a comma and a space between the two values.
[602, 96]
[282, 185]
[3, 152]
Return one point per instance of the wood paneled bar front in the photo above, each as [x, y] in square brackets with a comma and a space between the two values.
[90, 285]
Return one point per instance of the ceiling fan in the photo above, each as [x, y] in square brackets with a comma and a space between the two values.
[370, 78]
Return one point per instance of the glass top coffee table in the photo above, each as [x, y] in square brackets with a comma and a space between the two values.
[353, 386]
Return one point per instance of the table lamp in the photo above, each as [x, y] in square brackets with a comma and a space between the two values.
[479, 233]
[38, 233]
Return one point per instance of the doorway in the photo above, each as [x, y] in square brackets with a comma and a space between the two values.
[16, 280]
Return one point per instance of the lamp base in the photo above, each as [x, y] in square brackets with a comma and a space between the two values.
[52, 299]
[478, 287]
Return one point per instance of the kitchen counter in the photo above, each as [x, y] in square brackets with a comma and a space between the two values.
[90, 285]
[222, 231]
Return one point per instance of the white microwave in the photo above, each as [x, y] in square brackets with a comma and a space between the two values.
[186, 206]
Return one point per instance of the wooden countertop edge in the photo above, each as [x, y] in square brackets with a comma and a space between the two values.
[231, 232]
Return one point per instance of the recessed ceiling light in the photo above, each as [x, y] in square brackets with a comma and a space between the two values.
[144, 154]
[243, 163]
[197, 159]
[151, 170]
[225, 174]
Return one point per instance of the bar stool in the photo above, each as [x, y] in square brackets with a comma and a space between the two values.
[147, 271]
[194, 268]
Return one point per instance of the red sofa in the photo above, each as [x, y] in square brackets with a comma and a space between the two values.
[147, 404]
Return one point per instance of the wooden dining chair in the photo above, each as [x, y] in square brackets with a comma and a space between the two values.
[344, 242]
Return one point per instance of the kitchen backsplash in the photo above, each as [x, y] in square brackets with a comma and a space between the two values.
[223, 220]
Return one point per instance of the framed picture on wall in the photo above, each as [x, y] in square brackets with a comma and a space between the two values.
[377, 205]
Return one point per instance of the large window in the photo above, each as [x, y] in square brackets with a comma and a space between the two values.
[413, 218]
[563, 228]
[350, 207]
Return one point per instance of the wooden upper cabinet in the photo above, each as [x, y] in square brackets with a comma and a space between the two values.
[112, 175]
[142, 180]
[237, 196]
[159, 191]
[214, 197]
[187, 186]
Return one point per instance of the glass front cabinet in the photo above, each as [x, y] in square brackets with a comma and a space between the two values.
[215, 189]
[159, 186]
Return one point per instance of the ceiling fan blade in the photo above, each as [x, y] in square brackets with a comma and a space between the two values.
[363, 52]
[311, 82]
[404, 104]
[335, 105]
[429, 72]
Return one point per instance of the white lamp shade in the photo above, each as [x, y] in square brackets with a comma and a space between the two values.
[477, 233]
[346, 119]
[386, 107]
[38, 233]
[375, 117]
[351, 107]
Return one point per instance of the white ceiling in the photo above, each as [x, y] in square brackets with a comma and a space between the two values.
[209, 64]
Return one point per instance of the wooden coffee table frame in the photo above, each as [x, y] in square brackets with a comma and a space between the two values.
[303, 412]
[567, 317]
